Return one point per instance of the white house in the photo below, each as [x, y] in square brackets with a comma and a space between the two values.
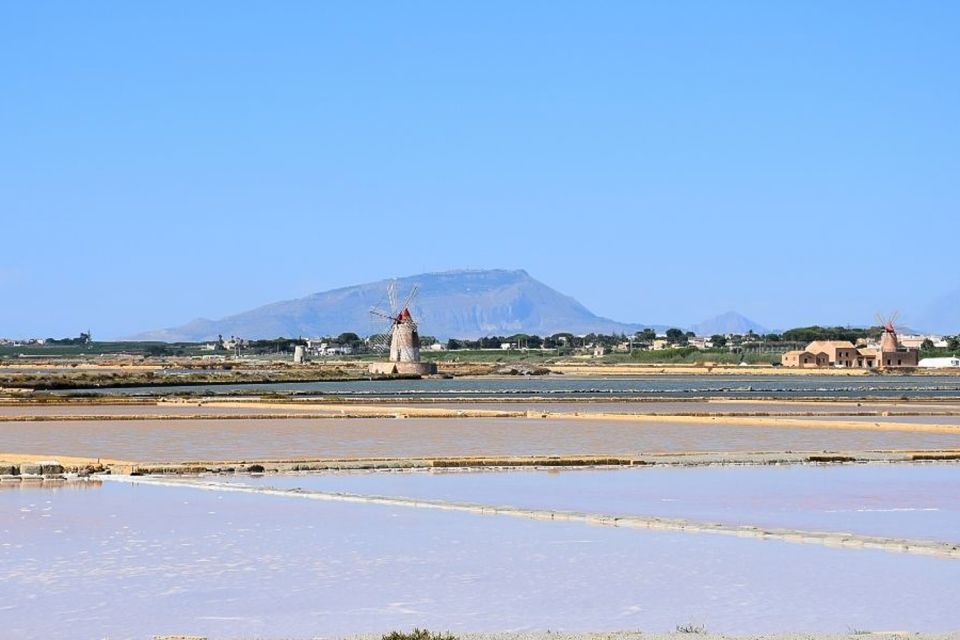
[951, 362]
[914, 341]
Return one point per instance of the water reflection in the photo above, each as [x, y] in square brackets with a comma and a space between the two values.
[135, 561]
[897, 500]
[299, 438]
[58, 484]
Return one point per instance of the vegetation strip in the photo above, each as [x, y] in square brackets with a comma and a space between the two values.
[89, 465]
[833, 539]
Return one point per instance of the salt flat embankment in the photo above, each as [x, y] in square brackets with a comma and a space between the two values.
[483, 433]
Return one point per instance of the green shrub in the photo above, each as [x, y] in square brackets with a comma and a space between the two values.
[418, 634]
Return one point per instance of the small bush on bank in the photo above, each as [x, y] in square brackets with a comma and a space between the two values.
[418, 634]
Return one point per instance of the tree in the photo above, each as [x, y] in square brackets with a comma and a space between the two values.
[718, 340]
[926, 345]
[676, 336]
[348, 338]
[155, 351]
[83, 339]
[809, 334]
[953, 343]
[647, 335]
[518, 339]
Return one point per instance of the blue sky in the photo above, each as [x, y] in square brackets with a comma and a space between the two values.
[659, 161]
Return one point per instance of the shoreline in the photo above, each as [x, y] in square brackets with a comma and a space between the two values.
[46, 376]
[702, 634]
[686, 459]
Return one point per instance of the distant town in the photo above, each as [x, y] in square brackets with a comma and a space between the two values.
[877, 347]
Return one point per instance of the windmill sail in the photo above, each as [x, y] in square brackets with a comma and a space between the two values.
[404, 338]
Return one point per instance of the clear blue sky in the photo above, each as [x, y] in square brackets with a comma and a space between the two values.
[660, 161]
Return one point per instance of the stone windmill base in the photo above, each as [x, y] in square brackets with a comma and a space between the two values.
[403, 368]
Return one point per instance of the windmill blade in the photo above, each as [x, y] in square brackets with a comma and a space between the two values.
[380, 314]
[410, 297]
[392, 297]
[380, 341]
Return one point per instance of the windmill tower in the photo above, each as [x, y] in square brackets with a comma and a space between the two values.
[892, 355]
[402, 336]
[888, 340]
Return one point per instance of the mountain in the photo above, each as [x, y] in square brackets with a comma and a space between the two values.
[729, 322]
[460, 304]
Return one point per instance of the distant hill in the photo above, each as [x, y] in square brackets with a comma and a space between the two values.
[729, 322]
[942, 315]
[460, 304]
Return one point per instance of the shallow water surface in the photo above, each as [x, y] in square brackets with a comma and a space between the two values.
[127, 561]
[919, 501]
[178, 440]
[746, 386]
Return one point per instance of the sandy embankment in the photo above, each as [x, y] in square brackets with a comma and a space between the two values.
[71, 463]
[746, 420]
[281, 411]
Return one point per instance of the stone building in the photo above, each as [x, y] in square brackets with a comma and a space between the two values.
[844, 354]
[804, 359]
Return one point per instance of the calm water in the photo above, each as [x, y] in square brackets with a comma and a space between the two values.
[781, 386]
[127, 561]
[557, 405]
[907, 501]
[179, 440]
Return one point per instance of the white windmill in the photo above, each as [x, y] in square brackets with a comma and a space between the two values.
[401, 335]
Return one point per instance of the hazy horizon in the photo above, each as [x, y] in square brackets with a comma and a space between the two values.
[661, 163]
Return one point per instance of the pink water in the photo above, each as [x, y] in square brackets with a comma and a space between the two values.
[178, 440]
[126, 561]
